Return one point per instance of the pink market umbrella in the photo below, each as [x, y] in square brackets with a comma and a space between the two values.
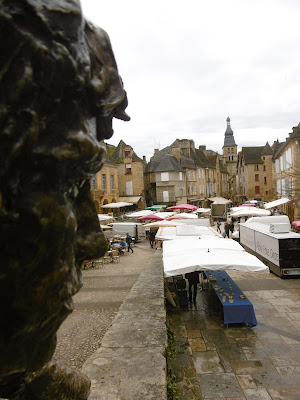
[150, 217]
[296, 223]
[188, 207]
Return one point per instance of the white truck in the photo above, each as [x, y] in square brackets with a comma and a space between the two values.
[219, 211]
[272, 241]
[135, 229]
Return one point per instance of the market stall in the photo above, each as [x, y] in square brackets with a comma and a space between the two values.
[183, 256]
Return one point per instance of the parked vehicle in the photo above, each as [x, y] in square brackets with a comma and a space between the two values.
[219, 211]
[272, 241]
[135, 230]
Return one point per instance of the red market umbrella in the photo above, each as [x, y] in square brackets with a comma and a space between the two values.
[247, 205]
[150, 217]
[188, 207]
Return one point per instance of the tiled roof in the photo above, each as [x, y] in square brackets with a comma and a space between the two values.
[267, 150]
[163, 161]
[212, 158]
[296, 133]
[277, 147]
[118, 155]
[252, 155]
[200, 158]
[187, 162]
[222, 167]
[109, 162]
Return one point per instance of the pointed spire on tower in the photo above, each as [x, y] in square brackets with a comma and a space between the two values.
[229, 138]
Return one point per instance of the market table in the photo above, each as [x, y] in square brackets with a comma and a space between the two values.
[236, 307]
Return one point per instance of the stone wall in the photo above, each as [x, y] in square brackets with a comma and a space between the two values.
[131, 364]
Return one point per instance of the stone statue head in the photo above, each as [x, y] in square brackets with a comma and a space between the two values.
[60, 89]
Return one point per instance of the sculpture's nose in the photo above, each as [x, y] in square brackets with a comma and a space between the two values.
[91, 242]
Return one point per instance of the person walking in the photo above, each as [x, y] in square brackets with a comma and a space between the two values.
[226, 228]
[129, 241]
[193, 278]
[231, 228]
[219, 226]
[152, 238]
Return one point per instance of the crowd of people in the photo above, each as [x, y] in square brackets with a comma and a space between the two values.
[228, 228]
[121, 245]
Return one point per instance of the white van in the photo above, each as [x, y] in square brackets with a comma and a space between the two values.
[135, 229]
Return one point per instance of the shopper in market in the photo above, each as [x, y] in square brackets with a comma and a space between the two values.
[129, 241]
[193, 278]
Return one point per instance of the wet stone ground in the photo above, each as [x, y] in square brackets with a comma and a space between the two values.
[96, 304]
[239, 363]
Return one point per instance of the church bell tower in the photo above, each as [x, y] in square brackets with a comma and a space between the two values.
[230, 150]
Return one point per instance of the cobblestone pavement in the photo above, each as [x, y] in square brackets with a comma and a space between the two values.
[97, 303]
[238, 363]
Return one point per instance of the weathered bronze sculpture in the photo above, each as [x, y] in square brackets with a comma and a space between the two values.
[60, 90]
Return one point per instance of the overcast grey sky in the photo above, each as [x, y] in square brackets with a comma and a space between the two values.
[187, 65]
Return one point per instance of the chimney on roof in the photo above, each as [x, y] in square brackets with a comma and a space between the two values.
[203, 148]
[176, 152]
[156, 151]
[144, 160]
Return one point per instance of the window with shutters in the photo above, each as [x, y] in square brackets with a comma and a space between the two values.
[103, 181]
[164, 176]
[94, 183]
[166, 196]
[129, 190]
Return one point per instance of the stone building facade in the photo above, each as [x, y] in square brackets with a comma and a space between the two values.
[254, 174]
[287, 173]
[180, 173]
[104, 186]
[130, 174]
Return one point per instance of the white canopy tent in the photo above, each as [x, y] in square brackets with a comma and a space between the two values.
[143, 213]
[183, 256]
[219, 200]
[250, 212]
[186, 232]
[165, 214]
[120, 204]
[138, 214]
[106, 228]
[184, 215]
[277, 203]
[105, 217]
[202, 210]
[157, 224]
